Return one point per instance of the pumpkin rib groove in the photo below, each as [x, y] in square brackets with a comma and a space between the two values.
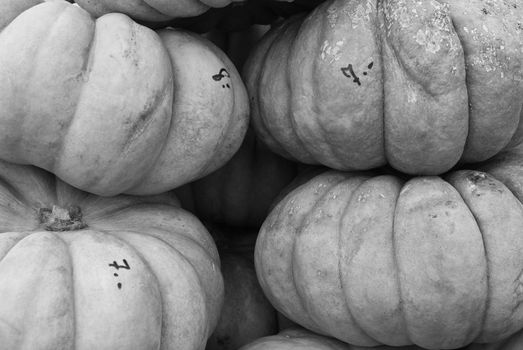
[487, 265]
[73, 285]
[258, 114]
[397, 268]
[469, 101]
[299, 229]
[30, 77]
[344, 213]
[315, 92]
[380, 39]
[288, 82]
[121, 237]
[85, 71]
[308, 146]
[254, 101]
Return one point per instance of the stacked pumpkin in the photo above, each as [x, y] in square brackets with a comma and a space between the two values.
[384, 258]
[102, 117]
[109, 106]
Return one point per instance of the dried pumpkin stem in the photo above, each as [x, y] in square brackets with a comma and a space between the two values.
[61, 219]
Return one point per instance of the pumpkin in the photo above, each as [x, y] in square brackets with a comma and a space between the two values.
[241, 192]
[154, 11]
[246, 314]
[110, 106]
[514, 342]
[378, 258]
[418, 85]
[297, 338]
[79, 271]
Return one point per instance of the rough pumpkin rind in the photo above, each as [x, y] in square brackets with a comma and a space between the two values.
[420, 85]
[376, 259]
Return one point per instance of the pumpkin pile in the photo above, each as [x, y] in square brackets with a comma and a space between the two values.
[359, 185]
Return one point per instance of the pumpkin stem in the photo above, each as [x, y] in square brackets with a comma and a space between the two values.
[60, 219]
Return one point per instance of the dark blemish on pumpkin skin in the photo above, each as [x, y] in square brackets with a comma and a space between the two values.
[484, 10]
[349, 72]
[476, 177]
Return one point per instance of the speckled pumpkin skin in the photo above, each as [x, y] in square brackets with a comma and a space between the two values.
[110, 106]
[420, 85]
[62, 290]
[376, 259]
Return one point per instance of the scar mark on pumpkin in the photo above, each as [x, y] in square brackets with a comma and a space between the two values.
[141, 122]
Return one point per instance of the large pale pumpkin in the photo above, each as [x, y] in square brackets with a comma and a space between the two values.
[378, 259]
[78, 271]
[110, 106]
[241, 192]
[301, 339]
[151, 10]
[421, 85]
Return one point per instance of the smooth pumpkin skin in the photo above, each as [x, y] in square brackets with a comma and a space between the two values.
[241, 192]
[160, 121]
[59, 290]
[151, 10]
[377, 259]
[433, 83]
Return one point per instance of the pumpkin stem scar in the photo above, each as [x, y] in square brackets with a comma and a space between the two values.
[60, 219]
